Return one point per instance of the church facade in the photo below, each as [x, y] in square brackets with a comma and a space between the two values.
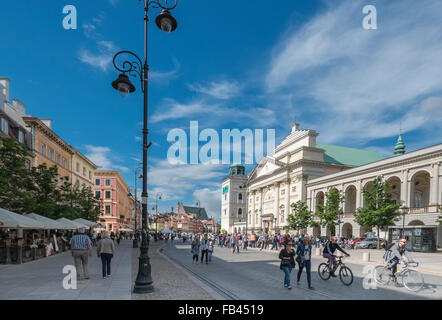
[301, 169]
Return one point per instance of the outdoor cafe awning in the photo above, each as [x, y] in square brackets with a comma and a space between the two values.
[126, 230]
[48, 223]
[71, 225]
[12, 220]
[87, 222]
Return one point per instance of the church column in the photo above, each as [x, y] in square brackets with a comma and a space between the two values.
[276, 204]
[434, 185]
[358, 194]
[287, 201]
[261, 207]
[405, 198]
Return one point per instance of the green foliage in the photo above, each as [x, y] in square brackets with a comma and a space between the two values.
[301, 218]
[40, 189]
[379, 210]
[330, 213]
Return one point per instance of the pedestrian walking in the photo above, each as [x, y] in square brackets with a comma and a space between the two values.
[94, 239]
[304, 254]
[118, 238]
[81, 247]
[287, 262]
[205, 249]
[210, 252]
[195, 250]
[106, 251]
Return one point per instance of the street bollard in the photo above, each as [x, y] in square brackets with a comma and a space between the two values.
[318, 251]
[366, 256]
[20, 251]
[8, 251]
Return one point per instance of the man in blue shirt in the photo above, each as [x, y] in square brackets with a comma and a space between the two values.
[81, 247]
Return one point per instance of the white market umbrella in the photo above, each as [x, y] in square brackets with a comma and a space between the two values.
[49, 224]
[126, 230]
[87, 222]
[71, 225]
[12, 220]
[167, 230]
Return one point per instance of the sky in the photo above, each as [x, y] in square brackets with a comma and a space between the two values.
[229, 64]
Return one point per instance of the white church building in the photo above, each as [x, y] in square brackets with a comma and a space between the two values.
[302, 169]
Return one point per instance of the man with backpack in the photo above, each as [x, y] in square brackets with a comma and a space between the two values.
[394, 253]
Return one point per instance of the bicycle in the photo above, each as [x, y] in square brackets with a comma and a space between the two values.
[412, 279]
[345, 274]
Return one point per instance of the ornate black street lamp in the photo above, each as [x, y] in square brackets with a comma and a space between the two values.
[135, 242]
[133, 66]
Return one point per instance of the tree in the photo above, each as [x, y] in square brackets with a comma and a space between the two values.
[301, 218]
[329, 214]
[379, 211]
[89, 206]
[15, 178]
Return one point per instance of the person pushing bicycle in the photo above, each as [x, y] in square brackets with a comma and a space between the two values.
[395, 254]
[329, 249]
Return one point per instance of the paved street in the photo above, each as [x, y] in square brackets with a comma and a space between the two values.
[255, 275]
[43, 279]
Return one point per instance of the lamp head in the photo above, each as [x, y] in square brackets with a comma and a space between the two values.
[165, 21]
[123, 85]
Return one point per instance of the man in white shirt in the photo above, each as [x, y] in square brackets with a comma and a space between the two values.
[205, 248]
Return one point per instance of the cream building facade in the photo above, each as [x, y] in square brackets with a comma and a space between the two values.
[416, 184]
[83, 170]
[281, 178]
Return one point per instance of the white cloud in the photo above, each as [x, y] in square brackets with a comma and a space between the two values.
[104, 158]
[210, 200]
[90, 28]
[165, 77]
[220, 90]
[364, 82]
[101, 59]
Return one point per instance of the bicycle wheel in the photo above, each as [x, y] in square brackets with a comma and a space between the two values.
[324, 271]
[382, 275]
[346, 276]
[413, 280]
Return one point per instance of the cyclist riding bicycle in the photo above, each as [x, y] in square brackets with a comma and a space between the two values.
[329, 249]
[394, 256]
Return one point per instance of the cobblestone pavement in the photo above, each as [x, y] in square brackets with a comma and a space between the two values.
[170, 281]
[43, 279]
[255, 275]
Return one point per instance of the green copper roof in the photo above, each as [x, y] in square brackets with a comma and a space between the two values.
[200, 213]
[400, 146]
[237, 165]
[348, 156]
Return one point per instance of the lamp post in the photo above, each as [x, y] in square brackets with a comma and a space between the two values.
[135, 242]
[135, 67]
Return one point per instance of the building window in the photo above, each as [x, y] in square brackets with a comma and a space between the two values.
[64, 163]
[78, 167]
[108, 210]
[225, 197]
[5, 126]
[97, 194]
[97, 182]
[240, 197]
[108, 182]
[84, 171]
[51, 154]
[293, 189]
[90, 175]
[42, 148]
[27, 164]
[282, 192]
[240, 212]
[77, 184]
[21, 137]
[108, 194]
[225, 212]
[57, 158]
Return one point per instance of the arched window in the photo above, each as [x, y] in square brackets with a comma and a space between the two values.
[239, 211]
[240, 197]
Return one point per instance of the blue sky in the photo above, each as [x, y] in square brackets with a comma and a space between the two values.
[230, 64]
